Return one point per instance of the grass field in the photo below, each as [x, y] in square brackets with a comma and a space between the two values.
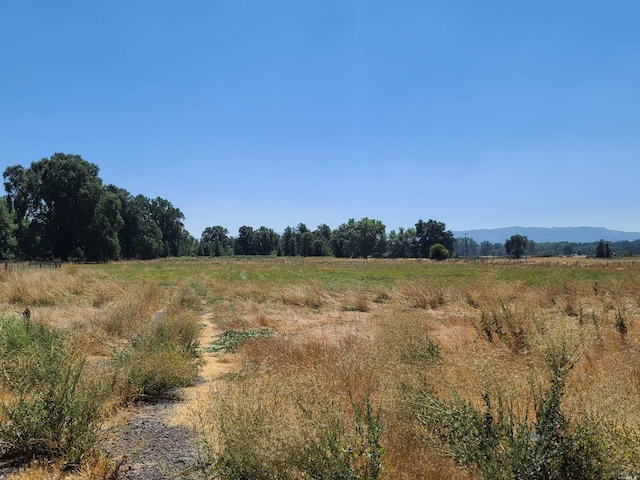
[326, 368]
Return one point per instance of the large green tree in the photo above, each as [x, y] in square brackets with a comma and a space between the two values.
[215, 242]
[101, 237]
[363, 238]
[59, 207]
[140, 236]
[516, 245]
[303, 240]
[431, 232]
[402, 244]
[321, 245]
[603, 250]
[265, 241]
[170, 221]
[244, 244]
[288, 243]
[7, 231]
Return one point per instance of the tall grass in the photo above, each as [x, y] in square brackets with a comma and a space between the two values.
[158, 360]
[272, 423]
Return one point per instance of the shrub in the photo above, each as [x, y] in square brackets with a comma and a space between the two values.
[501, 444]
[265, 429]
[438, 252]
[162, 358]
[52, 410]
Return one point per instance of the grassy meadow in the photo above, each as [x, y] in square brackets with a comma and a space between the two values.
[327, 368]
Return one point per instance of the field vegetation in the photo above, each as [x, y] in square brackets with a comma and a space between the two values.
[330, 368]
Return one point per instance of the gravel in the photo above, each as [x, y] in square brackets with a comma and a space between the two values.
[152, 449]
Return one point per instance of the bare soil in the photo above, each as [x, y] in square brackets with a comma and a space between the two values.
[150, 447]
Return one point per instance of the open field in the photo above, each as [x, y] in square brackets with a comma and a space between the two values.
[325, 368]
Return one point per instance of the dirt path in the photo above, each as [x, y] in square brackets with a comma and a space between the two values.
[153, 448]
[155, 443]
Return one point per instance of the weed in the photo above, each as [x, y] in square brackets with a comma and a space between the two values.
[54, 408]
[335, 452]
[503, 444]
[230, 340]
[621, 323]
[504, 324]
[272, 430]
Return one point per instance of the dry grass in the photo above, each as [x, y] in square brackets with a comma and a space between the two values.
[364, 329]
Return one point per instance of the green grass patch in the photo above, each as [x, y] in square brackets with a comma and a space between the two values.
[230, 340]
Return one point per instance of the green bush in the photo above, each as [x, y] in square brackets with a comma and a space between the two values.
[500, 444]
[53, 409]
[438, 252]
[339, 451]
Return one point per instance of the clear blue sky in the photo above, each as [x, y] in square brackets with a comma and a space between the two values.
[479, 114]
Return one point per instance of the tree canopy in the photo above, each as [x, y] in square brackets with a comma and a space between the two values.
[61, 209]
[516, 245]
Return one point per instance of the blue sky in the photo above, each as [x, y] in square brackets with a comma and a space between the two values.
[479, 114]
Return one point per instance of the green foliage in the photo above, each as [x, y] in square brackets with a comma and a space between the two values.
[432, 232]
[402, 244]
[53, 410]
[501, 444]
[215, 242]
[60, 194]
[335, 452]
[230, 340]
[140, 236]
[8, 229]
[621, 323]
[361, 239]
[170, 222]
[438, 252]
[102, 243]
[603, 250]
[263, 241]
[516, 245]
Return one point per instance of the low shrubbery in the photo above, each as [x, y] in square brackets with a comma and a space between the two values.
[501, 441]
[52, 406]
[266, 428]
[162, 358]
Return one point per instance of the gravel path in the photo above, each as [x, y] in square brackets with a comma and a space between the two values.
[152, 448]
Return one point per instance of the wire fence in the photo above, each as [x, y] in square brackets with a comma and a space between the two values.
[19, 267]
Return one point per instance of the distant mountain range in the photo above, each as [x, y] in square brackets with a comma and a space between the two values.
[553, 234]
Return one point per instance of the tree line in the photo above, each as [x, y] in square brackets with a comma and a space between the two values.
[59, 208]
[362, 238]
[599, 249]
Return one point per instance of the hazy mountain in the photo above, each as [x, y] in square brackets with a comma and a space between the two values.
[553, 234]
